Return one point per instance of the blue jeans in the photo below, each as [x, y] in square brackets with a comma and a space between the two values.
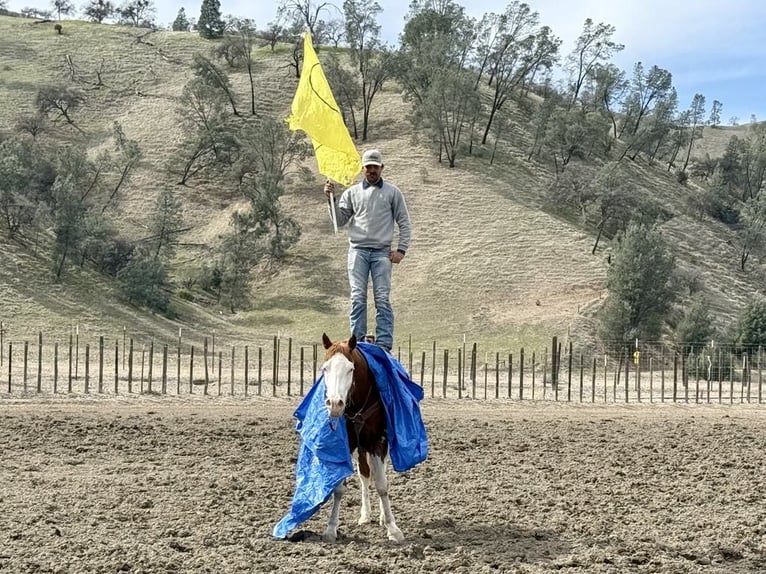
[362, 264]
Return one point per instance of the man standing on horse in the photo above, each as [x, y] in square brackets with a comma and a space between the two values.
[371, 208]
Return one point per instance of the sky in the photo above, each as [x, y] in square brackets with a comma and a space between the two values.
[712, 47]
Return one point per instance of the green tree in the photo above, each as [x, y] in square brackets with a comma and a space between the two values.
[608, 87]
[210, 23]
[139, 13]
[640, 287]
[347, 90]
[368, 56]
[26, 180]
[64, 7]
[181, 23]
[214, 77]
[165, 224]
[696, 124]
[144, 282]
[209, 139]
[447, 108]
[99, 10]
[696, 325]
[437, 40]
[69, 215]
[751, 327]
[751, 232]
[594, 46]
[237, 49]
[715, 114]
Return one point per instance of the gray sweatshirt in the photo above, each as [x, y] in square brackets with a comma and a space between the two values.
[371, 212]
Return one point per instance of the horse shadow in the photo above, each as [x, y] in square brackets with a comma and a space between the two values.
[498, 544]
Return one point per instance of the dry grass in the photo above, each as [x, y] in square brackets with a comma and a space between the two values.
[486, 261]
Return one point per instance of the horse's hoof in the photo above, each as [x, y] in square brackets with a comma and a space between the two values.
[395, 535]
[329, 536]
[364, 519]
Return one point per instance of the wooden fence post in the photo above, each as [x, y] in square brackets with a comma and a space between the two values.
[497, 375]
[459, 373]
[116, 367]
[191, 369]
[87, 368]
[204, 360]
[40, 362]
[302, 369]
[675, 377]
[444, 375]
[274, 367]
[220, 371]
[143, 365]
[26, 357]
[130, 365]
[593, 382]
[231, 388]
[100, 364]
[433, 369]
[247, 368]
[422, 368]
[260, 369]
[151, 364]
[569, 374]
[510, 374]
[315, 361]
[289, 365]
[521, 374]
[473, 371]
[55, 367]
[164, 369]
[69, 384]
[10, 362]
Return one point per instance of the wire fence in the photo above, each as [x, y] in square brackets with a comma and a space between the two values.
[123, 365]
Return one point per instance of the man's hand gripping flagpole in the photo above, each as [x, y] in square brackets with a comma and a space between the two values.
[315, 111]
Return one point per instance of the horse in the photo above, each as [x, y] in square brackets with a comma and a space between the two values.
[351, 392]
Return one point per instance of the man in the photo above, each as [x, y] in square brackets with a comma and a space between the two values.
[371, 208]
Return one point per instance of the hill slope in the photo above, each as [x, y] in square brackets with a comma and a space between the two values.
[486, 261]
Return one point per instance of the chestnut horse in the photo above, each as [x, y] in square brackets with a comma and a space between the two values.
[351, 392]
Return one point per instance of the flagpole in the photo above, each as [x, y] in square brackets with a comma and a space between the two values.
[331, 201]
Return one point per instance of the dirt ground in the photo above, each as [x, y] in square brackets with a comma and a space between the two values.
[193, 485]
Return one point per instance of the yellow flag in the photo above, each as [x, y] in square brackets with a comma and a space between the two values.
[315, 111]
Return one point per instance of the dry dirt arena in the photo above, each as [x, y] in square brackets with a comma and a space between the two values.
[167, 485]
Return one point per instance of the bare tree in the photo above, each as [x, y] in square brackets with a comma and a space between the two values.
[308, 13]
[60, 99]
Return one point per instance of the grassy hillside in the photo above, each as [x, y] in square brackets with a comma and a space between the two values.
[486, 261]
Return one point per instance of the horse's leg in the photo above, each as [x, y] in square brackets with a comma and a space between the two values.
[364, 478]
[381, 485]
[331, 532]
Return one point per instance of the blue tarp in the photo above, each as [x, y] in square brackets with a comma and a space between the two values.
[323, 457]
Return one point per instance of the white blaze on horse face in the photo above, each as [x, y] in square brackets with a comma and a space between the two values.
[338, 377]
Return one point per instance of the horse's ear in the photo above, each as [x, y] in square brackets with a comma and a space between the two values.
[352, 343]
[326, 341]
